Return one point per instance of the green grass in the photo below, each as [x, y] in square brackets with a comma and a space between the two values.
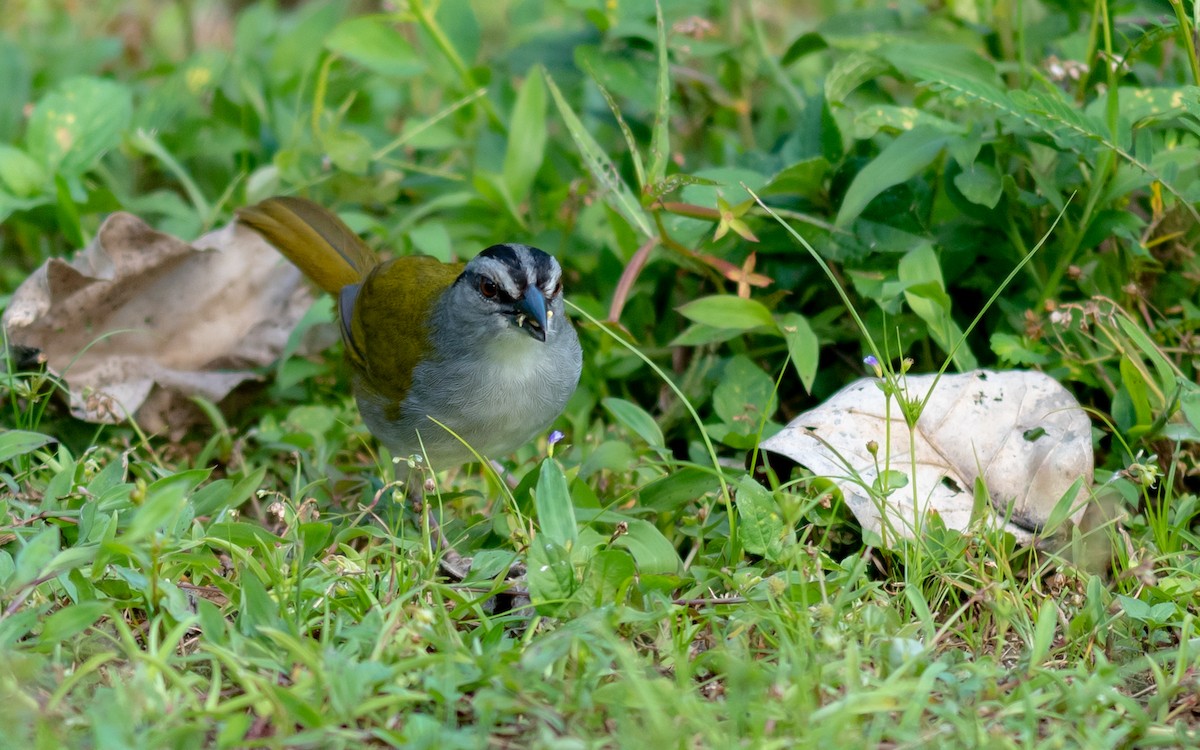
[257, 580]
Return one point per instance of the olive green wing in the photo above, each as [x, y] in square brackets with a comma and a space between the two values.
[384, 320]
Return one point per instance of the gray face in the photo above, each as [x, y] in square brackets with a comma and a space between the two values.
[509, 287]
[503, 361]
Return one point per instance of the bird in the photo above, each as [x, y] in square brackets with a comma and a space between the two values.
[483, 347]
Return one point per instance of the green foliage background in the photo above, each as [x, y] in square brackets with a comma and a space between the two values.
[256, 584]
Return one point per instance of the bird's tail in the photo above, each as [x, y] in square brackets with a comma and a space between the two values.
[317, 242]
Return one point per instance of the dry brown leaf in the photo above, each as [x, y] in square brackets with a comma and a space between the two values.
[139, 321]
[1021, 432]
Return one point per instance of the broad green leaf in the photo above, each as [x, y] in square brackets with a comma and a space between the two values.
[23, 176]
[728, 311]
[1043, 632]
[925, 293]
[1139, 395]
[76, 123]
[760, 528]
[555, 511]
[1189, 403]
[652, 551]
[223, 494]
[802, 46]
[71, 621]
[980, 183]
[551, 575]
[899, 162]
[486, 564]
[256, 609]
[677, 488]
[34, 558]
[637, 419]
[376, 44]
[349, 151]
[314, 537]
[165, 500]
[17, 77]
[611, 455]
[802, 178]
[608, 575]
[803, 347]
[744, 398]
[526, 138]
[15, 443]
[708, 185]
[699, 334]
[599, 164]
[850, 72]
[869, 120]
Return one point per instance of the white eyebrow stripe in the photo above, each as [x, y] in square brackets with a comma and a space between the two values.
[501, 274]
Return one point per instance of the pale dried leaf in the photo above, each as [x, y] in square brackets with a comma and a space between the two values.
[140, 321]
[1021, 432]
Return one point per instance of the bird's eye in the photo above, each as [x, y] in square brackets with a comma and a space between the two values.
[487, 287]
[557, 289]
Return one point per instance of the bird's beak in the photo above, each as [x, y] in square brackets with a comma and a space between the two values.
[532, 316]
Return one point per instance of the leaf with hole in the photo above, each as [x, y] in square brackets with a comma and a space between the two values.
[972, 426]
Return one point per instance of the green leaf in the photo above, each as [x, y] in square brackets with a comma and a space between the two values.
[526, 138]
[21, 173]
[76, 123]
[224, 494]
[1043, 632]
[899, 162]
[35, 557]
[660, 137]
[376, 44]
[1189, 403]
[630, 142]
[165, 500]
[611, 455]
[685, 485]
[803, 347]
[699, 334]
[609, 574]
[850, 72]
[256, 610]
[802, 46]
[1163, 368]
[15, 443]
[551, 575]
[925, 293]
[761, 529]
[980, 184]
[744, 398]
[555, 511]
[600, 165]
[652, 551]
[1139, 394]
[71, 621]
[728, 311]
[636, 419]
[348, 150]
[802, 178]
[16, 74]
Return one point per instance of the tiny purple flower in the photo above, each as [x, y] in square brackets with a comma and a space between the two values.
[873, 363]
[555, 436]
